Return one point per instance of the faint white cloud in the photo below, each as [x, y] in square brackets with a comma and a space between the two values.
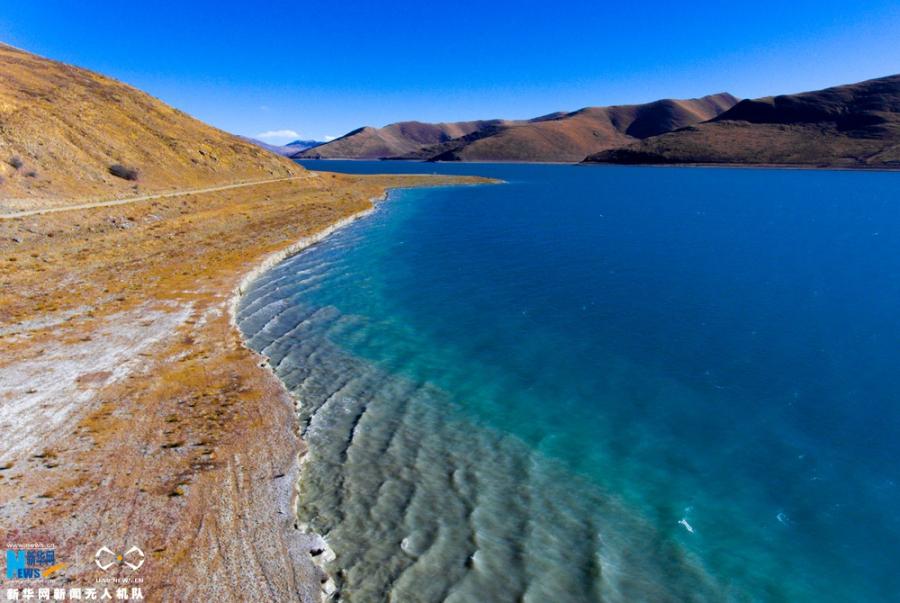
[278, 134]
[329, 138]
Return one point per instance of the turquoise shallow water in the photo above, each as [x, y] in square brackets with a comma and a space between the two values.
[619, 384]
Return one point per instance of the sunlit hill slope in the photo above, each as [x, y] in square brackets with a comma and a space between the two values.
[69, 133]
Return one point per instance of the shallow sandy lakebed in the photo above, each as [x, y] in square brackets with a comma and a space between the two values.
[132, 415]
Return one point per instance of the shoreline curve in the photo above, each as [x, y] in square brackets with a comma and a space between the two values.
[267, 263]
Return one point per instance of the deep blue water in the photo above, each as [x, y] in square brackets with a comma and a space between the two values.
[690, 375]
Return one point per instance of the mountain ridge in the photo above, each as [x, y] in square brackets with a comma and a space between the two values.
[559, 136]
[393, 139]
[851, 125]
[286, 150]
[570, 137]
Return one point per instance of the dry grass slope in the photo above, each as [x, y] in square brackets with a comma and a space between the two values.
[62, 128]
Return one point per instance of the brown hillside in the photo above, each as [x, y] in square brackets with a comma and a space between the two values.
[856, 125]
[553, 137]
[62, 129]
[573, 136]
[395, 139]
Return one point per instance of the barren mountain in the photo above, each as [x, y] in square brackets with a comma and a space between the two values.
[301, 145]
[573, 136]
[287, 150]
[66, 132]
[553, 137]
[392, 140]
[857, 125]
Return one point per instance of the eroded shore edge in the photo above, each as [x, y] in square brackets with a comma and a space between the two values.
[325, 553]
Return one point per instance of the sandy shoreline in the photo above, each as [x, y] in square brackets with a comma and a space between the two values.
[144, 419]
[309, 541]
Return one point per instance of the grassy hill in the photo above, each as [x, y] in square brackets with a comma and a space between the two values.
[63, 131]
[854, 126]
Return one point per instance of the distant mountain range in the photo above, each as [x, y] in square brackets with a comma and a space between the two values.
[288, 150]
[856, 126]
[566, 137]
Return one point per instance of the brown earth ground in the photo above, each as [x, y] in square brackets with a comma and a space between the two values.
[133, 414]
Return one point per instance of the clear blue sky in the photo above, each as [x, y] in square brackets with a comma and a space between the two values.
[321, 68]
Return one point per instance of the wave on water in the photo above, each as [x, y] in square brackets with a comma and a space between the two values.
[421, 503]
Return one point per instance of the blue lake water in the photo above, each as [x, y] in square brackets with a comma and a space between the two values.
[601, 383]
